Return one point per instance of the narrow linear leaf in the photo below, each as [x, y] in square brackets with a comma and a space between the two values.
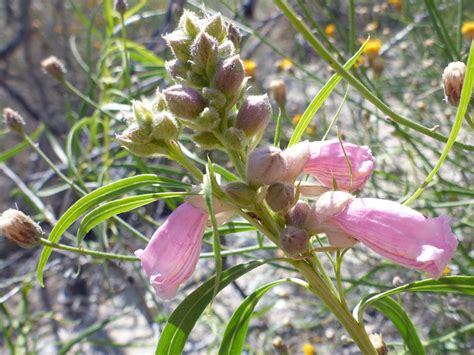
[112, 208]
[185, 316]
[237, 328]
[10, 153]
[320, 97]
[87, 202]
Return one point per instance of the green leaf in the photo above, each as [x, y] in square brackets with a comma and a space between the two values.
[319, 99]
[10, 153]
[236, 330]
[185, 316]
[393, 311]
[89, 201]
[112, 208]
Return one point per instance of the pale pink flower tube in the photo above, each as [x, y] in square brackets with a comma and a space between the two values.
[327, 162]
[399, 233]
[171, 255]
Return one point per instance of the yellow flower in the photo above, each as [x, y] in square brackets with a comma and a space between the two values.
[308, 349]
[446, 271]
[467, 30]
[296, 118]
[311, 130]
[396, 4]
[372, 48]
[360, 61]
[285, 65]
[330, 29]
[250, 67]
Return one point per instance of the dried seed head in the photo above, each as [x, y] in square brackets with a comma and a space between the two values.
[254, 115]
[280, 196]
[294, 241]
[278, 89]
[378, 343]
[54, 67]
[20, 228]
[13, 120]
[453, 79]
[266, 165]
[121, 6]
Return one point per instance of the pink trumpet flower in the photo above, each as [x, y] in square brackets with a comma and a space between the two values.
[327, 162]
[171, 255]
[394, 231]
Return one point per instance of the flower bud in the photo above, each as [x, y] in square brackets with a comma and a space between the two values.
[214, 26]
[214, 97]
[209, 118]
[121, 6]
[378, 343]
[241, 194]
[189, 23]
[13, 120]
[330, 204]
[296, 157]
[233, 35]
[297, 215]
[54, 67]
[235, 138]
[142, 115]
[266, 165]
[280, 196]
[204, 52]
[278, 89]
[180, 44]
[294, 241]
[142, 148]
[20, 228]
[230, 76]
[453, 79]
[183, 101]
[226, 49]
[207, 141]
[254, 115]
[164, 127]
[177, 69]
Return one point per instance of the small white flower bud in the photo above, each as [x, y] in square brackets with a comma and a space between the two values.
[54, 67]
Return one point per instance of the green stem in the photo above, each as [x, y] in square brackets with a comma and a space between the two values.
[127, 63]
[97, 254]
[342, 297]
[351, 79]
[176, 154]
[320, 289]
[238, 163]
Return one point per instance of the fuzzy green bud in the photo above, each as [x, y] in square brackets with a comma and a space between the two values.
[254, 115]
[294, 241]
[142, 115]
[280, 196]
[177, 69]
[241, 194]
[207, 141]
[183, 101]
[266, 165]
[190, 23]
[230, 76]
[209, 118]
[180, 44]
[235, 138]
[214, 26]
[214, 97]
[204, 53]
[226, 49]
[164, 126]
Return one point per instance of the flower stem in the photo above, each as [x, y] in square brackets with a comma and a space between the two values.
[176, 154]
[97, 254]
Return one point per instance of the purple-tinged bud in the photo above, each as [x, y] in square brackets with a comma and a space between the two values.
[164, 127]
[13, 120]
[296, 157]
[54, 67]
[207, 141]
[230, 76]
[254, 115]
[177, 69]
[183, 101]
[190, 23]
[204, 52]
[278, 89]
[19, 228]
[235, 138]
[294, 241]
[241, 194]
[266, 165]
[453, 80]
[280, 196]
[214, 97]
[180, 44]
[298, 215]
[121, 6]
[214, 26]
[233, 35]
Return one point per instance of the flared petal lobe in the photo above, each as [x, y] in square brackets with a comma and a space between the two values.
[399, 233]
[173, 252]
[327, 162]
